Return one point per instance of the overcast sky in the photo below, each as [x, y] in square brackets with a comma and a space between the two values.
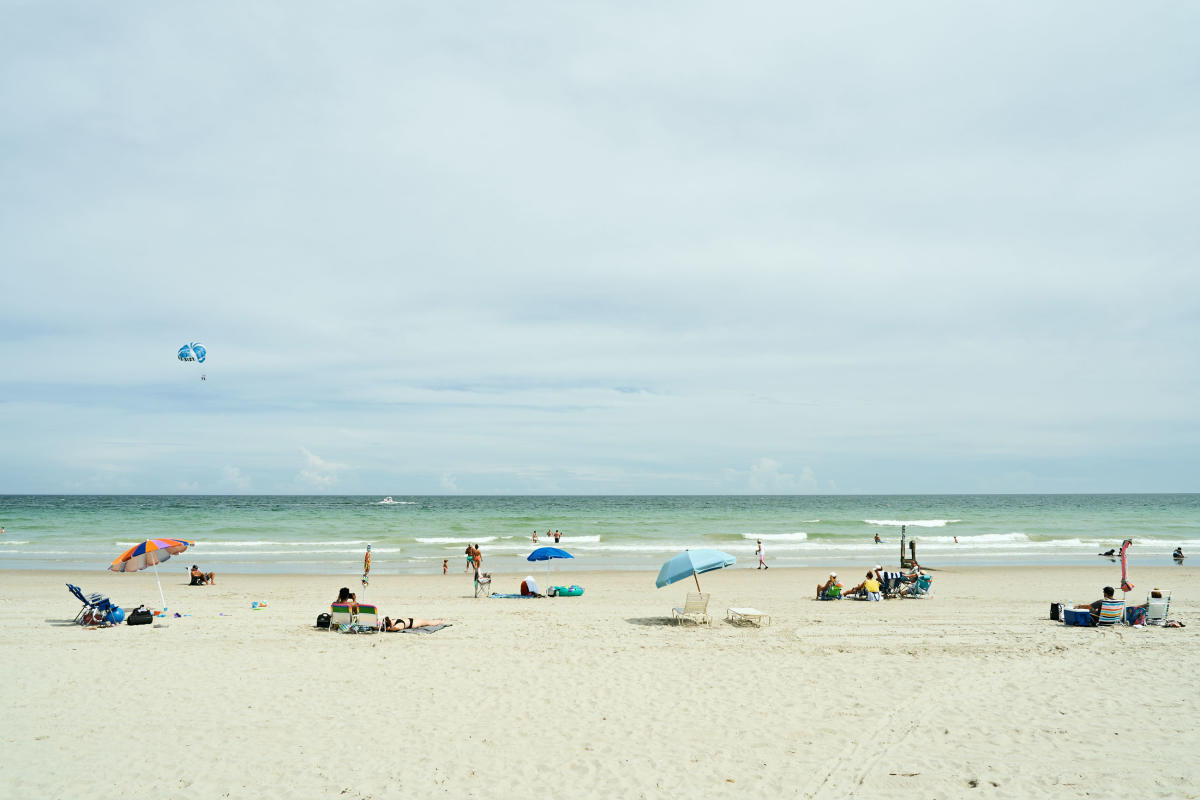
[438, 247]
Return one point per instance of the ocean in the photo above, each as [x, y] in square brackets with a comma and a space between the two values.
[412, 534]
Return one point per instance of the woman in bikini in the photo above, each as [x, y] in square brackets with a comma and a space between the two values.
[404, 623]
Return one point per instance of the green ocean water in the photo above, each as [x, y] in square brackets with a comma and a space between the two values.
[328, 534]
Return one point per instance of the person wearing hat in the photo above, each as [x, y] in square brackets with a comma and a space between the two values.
[201, 578]
[826, 589]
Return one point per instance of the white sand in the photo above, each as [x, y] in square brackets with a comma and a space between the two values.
[973, 692]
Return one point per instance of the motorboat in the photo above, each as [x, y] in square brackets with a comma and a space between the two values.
[388, 501]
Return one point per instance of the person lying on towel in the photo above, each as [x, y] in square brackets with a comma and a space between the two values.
[404, 623]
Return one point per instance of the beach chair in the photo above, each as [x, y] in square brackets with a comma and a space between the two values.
[367, 617]
[921, 587]
[483, 584]
[1157, 608]
[1112, 612]
[94, 605]
[889, 584]
[832, 593]
[695, 608]
[339, 615]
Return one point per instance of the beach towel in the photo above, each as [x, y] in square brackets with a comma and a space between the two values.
[514, 596]
[427, 628]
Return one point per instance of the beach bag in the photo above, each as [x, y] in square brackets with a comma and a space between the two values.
[1056, 611]
[323, 621]
[140, 616]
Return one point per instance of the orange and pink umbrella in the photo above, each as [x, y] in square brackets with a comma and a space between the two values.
[150, 553]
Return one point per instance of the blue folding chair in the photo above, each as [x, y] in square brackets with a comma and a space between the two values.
[92, 602]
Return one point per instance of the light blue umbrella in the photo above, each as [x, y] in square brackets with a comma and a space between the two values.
[693, 562]
[547, 553]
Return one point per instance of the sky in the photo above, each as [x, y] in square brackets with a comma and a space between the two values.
[599, 248]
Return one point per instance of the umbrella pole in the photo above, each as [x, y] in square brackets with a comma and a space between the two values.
[697, 577]
[161, 596]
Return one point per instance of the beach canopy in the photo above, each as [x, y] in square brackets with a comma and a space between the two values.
[150, 553]
[547, 553]
[691, 563]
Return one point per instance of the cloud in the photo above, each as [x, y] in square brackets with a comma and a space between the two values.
[318, 472]
[766, 477]
[233, 477]
[666, 240]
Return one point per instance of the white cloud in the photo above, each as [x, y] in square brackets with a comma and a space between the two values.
[233, 478]
[448, 483]
[767, 477]
[318, 472]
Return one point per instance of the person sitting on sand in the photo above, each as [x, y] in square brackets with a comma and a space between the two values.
[202, 578]
[826, 589]
[404, 623]
[869, 586]
[1109, 553]
[346, 597]
[1095, 607]
[529, 587]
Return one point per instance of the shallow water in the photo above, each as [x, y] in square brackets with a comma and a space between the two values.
[328, 534]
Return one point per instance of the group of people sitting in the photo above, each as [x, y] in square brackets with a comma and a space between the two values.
[872, 586]
[1134, 615]
[389, 625]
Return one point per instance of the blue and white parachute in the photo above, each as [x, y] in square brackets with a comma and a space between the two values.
[195, 353]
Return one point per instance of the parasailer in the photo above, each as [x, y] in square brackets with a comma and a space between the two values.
[195, 353]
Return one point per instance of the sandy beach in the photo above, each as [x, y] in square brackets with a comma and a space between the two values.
[972, 692]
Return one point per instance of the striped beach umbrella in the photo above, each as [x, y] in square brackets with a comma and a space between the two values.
[150, 553]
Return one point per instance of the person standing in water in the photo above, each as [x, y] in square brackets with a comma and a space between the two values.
[877, 539]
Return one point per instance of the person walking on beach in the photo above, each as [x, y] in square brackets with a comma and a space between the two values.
[476, 557]
[470, 558]
[445, 565]
[759, 552]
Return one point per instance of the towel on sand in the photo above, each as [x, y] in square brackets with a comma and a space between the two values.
[513, 596]
[427, 628]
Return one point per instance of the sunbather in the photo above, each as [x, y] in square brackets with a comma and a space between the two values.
[870, 584]
[202, 578]
[346, 597]
[823, 588]
[1095, 607]
[404, 623]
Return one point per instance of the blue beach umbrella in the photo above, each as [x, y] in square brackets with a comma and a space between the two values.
[546, 554]
[692, 563]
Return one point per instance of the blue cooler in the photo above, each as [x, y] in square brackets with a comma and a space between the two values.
[1077, 616]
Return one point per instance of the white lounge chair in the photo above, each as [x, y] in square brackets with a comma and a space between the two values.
[695, 608]
[1157, 608]
[752, 615]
